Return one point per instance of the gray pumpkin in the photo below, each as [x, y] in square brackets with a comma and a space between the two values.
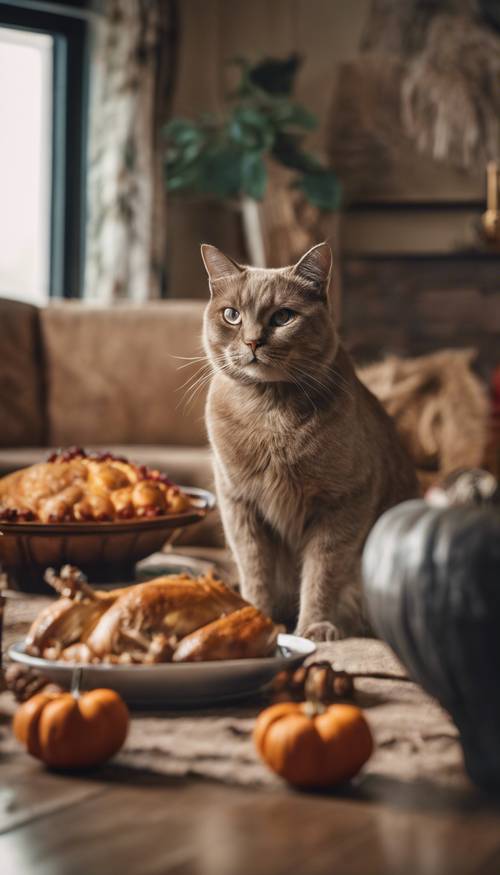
[432, 590]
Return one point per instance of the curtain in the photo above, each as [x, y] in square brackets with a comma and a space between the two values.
[131, 70]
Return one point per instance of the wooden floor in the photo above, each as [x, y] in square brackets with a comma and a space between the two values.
[124, 823]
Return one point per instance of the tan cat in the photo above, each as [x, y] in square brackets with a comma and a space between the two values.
[305, 457]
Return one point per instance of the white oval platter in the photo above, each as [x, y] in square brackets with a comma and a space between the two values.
[168, 685]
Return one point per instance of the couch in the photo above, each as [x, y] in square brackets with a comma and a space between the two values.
[73, 373]
[120, 378]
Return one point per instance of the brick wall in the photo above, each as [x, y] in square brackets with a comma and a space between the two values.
[412, 306]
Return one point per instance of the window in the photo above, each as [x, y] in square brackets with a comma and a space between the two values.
[25, 163]
[42, 151]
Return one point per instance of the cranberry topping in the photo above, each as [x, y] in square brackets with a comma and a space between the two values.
[67, 455]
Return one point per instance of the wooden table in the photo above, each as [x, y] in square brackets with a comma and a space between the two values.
[122, 822]
[127, 823]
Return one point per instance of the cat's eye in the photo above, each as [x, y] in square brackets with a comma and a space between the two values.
[232, 316]
[282, 317]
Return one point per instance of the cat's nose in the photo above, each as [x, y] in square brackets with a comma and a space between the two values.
[253, 344]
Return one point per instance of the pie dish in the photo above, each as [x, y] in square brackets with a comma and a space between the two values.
[76, 486]
[75, 509]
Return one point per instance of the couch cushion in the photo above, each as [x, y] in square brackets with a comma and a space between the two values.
[114, 374]
[21, 406]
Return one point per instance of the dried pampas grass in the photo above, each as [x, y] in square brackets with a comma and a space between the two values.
[451, 92]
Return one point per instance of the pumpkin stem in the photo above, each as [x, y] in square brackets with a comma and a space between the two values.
[76, 680]
[463, 487]
[313, 705]
[313, 709]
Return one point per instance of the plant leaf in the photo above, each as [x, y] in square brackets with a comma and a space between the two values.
[182, 179]
[287, 150]
[275, 75]
[295, 115]
[251, 129]
[253, 175]
[182, 131]
[322, 189]
[221, 171]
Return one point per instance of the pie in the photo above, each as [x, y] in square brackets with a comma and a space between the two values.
[174, 618]
[75, 486]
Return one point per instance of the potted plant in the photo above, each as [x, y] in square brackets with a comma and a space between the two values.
[231, 156]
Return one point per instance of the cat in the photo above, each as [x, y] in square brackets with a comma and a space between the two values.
[305, 457]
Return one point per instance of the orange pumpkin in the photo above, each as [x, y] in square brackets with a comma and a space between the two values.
[313, 746]
[67, 731]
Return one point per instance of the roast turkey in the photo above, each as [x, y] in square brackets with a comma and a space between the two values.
[171, 617]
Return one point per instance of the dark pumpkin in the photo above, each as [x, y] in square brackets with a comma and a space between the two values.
[432, 589]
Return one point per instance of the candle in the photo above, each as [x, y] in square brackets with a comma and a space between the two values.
[491, 218]
[493, 180]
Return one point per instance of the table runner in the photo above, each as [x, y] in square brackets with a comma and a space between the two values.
[415, 739]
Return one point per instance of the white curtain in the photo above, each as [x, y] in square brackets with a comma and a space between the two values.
[126, 191]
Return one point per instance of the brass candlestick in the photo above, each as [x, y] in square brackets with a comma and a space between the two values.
[491, 218]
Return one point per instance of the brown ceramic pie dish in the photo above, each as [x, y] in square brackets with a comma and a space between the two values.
[105, 551]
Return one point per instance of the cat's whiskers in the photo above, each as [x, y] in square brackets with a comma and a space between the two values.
[194, 389]
[204, 371]
[205, 359]
[193, 361]
[193, 377]
[332, 377]
[201, 356]
[186, 358]
[324, 388]
[297, 383]
[311, 380]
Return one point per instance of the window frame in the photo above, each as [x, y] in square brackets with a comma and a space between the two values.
[70, 85]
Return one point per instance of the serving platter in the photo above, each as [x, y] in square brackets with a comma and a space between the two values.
[169, 685]
[105, 551]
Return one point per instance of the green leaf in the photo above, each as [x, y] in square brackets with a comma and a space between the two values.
[244, 87]
[177, 183]
[182, 181]
[287, 151]
[251, 129]
[322, 189]
[253, 175]
[221, 172]
[225, 154]
[191, 151]
[294, 115]
[275, 75]
[181, 131]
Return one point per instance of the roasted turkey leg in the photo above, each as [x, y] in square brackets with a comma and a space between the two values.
[244, 634]
[71, 618]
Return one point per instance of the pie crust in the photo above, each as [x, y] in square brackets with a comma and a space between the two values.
[76, 486]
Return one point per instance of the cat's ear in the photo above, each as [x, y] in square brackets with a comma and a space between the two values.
[315, 266]
[217, 265]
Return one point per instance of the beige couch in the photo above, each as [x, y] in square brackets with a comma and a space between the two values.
[72, 373]
[118, 378]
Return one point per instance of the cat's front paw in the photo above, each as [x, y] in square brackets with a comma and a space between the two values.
[322, 631]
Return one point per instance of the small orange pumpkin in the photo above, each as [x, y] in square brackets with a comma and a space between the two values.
[68, 731]
[313, 746]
